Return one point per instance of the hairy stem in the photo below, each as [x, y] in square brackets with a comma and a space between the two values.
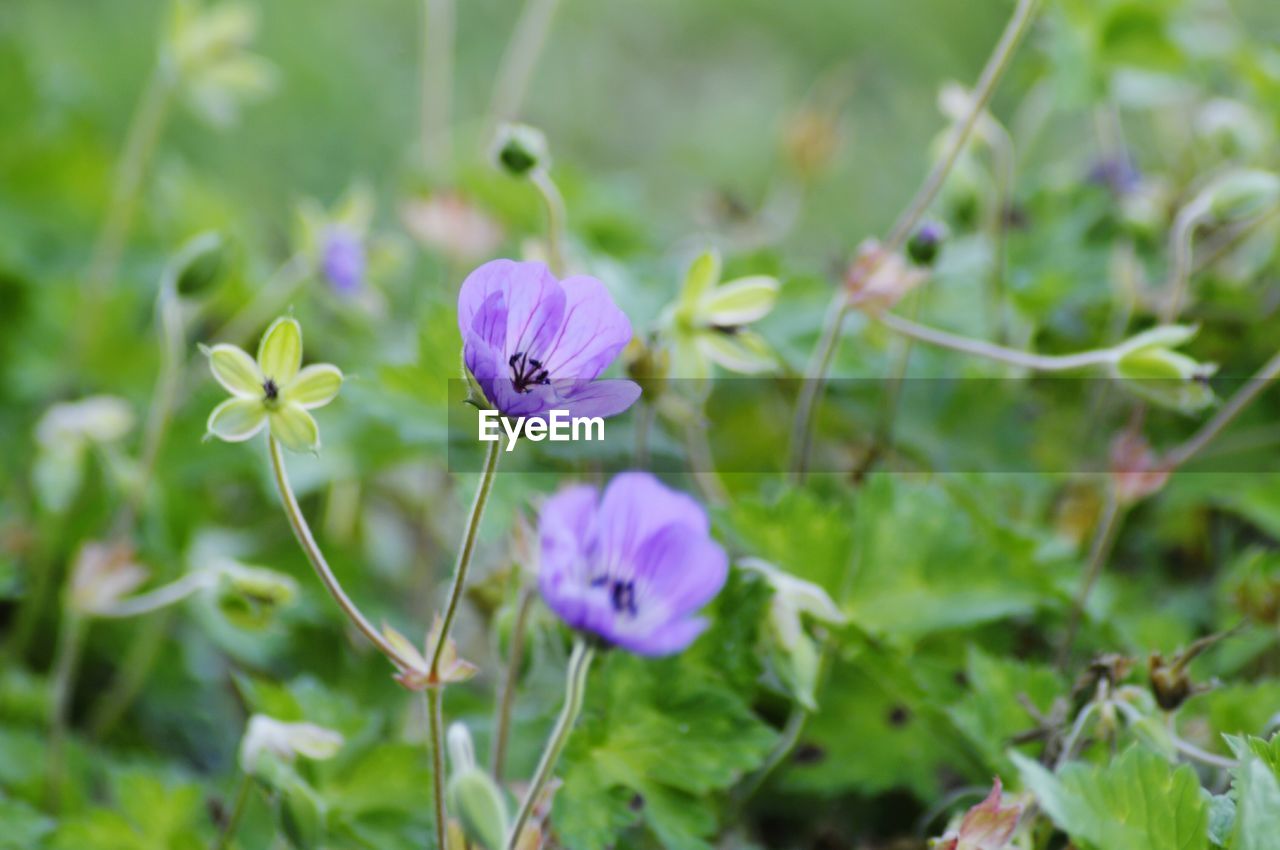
[434, 695]
[506, 698]
[575, 688]
[311, 549]
[824, 352]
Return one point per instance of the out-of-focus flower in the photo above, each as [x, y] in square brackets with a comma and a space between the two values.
[63, 436]
[812, 138]
[250, 596]
[1118, 173]
[206, 52]
[926, 243]
[474, 798]
[534, 344]
[708, 321]
[339, 246]
[451, 225]
[987, 826]
[631, 567]
[877, 280]
[794, 600]
[285, 741]
[344, 260]
[1148, 365]
[520, 149]
[274, 389]
[1232, 127]
[1135, 469]
[103, 574]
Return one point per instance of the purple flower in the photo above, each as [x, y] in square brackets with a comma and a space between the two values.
[344, 260]
[633, 566]
[536, 344]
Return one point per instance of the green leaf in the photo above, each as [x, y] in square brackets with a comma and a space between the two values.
[667, 734]
[1257, 807]
[21, 826]
[1138, 802]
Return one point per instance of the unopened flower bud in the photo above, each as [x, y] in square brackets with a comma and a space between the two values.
[474, 798]
[250, 596]
[1135, 469]
[520, 149]
[926, 243]
[877, 280]
[1150, 367]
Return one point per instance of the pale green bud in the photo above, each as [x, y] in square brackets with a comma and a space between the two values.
[520, 149]
[474, 798]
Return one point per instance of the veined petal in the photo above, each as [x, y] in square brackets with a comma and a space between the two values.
[591, 334]
[315, 386]
[236, 371]
[635, 506]
[280, 352]
[295, 428]
[237, 419]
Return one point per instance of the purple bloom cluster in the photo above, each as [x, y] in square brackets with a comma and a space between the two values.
[343, 261]
[535, 344]
[633, 566]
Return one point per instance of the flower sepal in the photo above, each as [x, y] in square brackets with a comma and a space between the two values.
[415, 669]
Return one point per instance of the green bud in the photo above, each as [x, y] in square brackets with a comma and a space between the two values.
[520, 149]
[474, 798]
[1152, 369]
[926, 243]
[1242, 194]
[250, 596]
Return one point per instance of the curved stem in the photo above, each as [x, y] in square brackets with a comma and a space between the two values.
[575, 688]
[998, 353]
[228, 833]
[161, 597]
[1225, 415]
[781, 749]
[435, 724]
[1104, 537]
[554, 202]
[815, 374]
[506, 699]
[307, 541]
[1180, 243]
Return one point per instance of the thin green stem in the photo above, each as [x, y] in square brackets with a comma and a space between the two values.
[66, 663]
[506, 698]
[575, 689]
[238, 808]
[824, 352]
[519, 59]
[161, 597]
[554, 203]
[1227, 414]
[140, 142]
[782, 748]
[1005, 161]
[464, 556]
[1181, 238]
[311, 549]
[1104, 538]
[998, 353]
[437, 82]
[434, 696]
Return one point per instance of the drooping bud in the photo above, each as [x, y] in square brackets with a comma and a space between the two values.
[1150, 367]
[474, 798]
[250, 596]
[520, 149]
[926, 243]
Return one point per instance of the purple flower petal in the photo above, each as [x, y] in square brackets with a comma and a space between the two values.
[593, 333]
[681, 568]
[636, 506]
[672, 638]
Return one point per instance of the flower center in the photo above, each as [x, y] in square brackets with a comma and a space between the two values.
[526, 371]
[270, 390]
[622, 594]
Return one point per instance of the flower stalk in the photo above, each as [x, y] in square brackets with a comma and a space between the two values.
[66, 663]
[506, 699]
[575, 688]
[238, 808]
[554, 202]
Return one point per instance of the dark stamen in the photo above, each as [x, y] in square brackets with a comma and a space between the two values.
[269, 387]
[526, 371]
[623, 597]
